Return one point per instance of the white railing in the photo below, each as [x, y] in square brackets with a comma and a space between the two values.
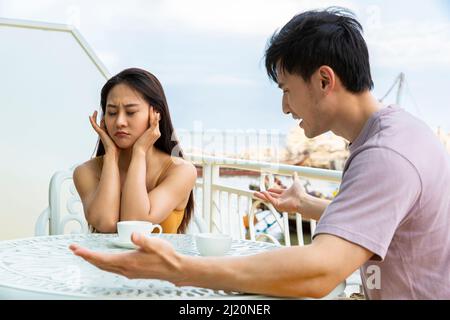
[224, 208]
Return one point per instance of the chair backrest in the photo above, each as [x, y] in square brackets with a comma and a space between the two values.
[64, 213]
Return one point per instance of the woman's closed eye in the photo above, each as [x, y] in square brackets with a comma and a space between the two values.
[128, 113]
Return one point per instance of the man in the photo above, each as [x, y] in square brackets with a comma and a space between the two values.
[392, 214]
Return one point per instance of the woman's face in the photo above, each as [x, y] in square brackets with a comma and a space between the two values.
[126, 116]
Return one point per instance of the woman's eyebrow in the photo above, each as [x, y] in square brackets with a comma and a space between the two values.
[109, 105]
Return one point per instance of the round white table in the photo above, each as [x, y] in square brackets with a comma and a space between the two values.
[45, 268]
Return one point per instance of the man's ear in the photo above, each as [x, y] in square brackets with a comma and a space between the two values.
[327, 78]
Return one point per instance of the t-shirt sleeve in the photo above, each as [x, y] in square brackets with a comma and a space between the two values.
[378, 190]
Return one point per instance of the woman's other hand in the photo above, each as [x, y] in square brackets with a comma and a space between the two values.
[151, 135]
[110, 147]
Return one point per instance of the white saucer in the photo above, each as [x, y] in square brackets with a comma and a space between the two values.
[123, 244]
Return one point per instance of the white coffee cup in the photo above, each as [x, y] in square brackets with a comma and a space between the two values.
[213, 244]
[126, 228]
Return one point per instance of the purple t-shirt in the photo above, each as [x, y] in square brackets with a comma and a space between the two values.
[394, 200]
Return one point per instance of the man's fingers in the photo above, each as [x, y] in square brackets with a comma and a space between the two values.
[276, 190]
[139, 240]
[145, 243]
[73, 247]
[86, 254]
[275, 195]
[271, 199]
[262, 196]
[259, 195]
[102, 261]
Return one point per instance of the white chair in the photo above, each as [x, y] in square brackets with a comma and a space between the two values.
[64, 213]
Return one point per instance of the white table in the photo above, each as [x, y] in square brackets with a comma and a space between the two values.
[45, 268]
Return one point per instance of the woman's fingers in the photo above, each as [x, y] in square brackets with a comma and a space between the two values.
[101, 130]
[150, 117]
[94, 125]
[93, 120]
[154, 117]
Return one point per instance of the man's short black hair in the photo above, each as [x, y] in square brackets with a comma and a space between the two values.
[331, 37]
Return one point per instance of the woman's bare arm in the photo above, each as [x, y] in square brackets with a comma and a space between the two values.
[100, 198]
[157, 204]
[134, 203]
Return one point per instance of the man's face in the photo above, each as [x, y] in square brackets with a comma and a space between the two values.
[302, 100]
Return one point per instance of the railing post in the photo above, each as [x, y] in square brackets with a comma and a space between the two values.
[207, 180]
[215, 199]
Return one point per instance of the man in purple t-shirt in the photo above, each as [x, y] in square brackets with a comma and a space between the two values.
[394, 201]
[391, 217]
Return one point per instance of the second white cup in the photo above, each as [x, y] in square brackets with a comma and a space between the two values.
[213, 244]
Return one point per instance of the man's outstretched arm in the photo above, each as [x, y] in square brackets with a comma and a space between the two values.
[299, 271]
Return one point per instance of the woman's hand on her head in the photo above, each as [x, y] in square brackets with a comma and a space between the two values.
[108, 143]
[151, 135]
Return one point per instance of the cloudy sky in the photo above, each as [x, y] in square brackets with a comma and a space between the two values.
[209, 54]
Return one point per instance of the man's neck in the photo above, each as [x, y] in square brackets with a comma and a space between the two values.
[353, 113]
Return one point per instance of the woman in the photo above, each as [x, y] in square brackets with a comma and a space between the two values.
[134, 176]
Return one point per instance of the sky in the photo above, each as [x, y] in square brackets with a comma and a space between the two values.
[209, 54]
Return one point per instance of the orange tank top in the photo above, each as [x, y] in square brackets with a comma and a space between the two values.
[172, 222]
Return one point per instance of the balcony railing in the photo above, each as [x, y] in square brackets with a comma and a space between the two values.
[225, 208]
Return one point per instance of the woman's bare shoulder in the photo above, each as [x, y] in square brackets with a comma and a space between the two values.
[92, 166]
[183, 166]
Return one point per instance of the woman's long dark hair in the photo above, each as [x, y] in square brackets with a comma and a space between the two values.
[151, 90]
